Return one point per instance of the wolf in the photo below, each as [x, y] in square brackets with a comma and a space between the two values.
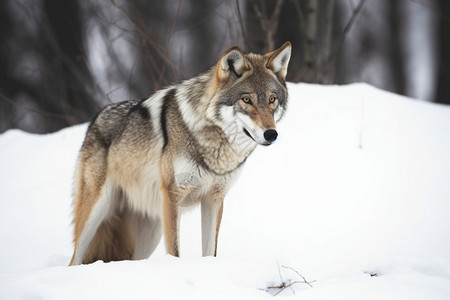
[143, 161]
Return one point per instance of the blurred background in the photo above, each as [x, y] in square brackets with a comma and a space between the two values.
[62, 61]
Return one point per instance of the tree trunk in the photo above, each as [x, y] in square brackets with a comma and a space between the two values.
[326, 74]
[396, 53]
[310, 74]
[443, 89]
[69, 88]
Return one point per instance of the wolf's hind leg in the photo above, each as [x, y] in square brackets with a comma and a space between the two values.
[147, 232]
[95, 217]
[112, 241]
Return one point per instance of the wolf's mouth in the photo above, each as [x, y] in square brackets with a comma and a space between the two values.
[250, 136]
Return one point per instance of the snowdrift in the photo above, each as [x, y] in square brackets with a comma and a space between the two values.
[354, 197]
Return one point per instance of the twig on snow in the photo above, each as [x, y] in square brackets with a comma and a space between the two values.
[304, 279]
[288, 284]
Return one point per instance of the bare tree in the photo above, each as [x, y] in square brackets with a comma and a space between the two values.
[268, 22]
[63, 60]
[45, 84]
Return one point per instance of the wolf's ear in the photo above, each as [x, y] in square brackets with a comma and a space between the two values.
[278, 60]
[233, 62]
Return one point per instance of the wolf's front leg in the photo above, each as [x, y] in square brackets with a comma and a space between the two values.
[212, 209]
[171, 222]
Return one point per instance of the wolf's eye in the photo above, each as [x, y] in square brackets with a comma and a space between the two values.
[272, 99]
[246, 100]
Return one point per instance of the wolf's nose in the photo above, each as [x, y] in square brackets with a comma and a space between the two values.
[270, 135]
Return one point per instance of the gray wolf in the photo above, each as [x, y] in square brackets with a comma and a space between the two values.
[142, 161]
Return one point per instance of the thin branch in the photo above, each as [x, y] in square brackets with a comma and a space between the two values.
[199, 22]
[241, 22]
[145, 35]
[350, 22]
[172, 28]
[290, 285]
[131, 75]
[34, 110]
[260, 16]
[269, 25]
[432, 8]
[347, 28]
[304, 279]
[110, 92]
[275, 18]
[301, 17]
[284, 285]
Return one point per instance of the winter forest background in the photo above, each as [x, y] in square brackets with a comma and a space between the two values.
[61, 61]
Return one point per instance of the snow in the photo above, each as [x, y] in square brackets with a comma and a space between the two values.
[357, 185]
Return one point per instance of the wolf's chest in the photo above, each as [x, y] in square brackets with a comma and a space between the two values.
[220, 155]
[198, 180]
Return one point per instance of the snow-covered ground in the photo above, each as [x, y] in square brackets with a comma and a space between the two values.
[357, 185]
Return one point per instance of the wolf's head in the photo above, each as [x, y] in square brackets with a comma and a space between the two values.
[251, 92]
